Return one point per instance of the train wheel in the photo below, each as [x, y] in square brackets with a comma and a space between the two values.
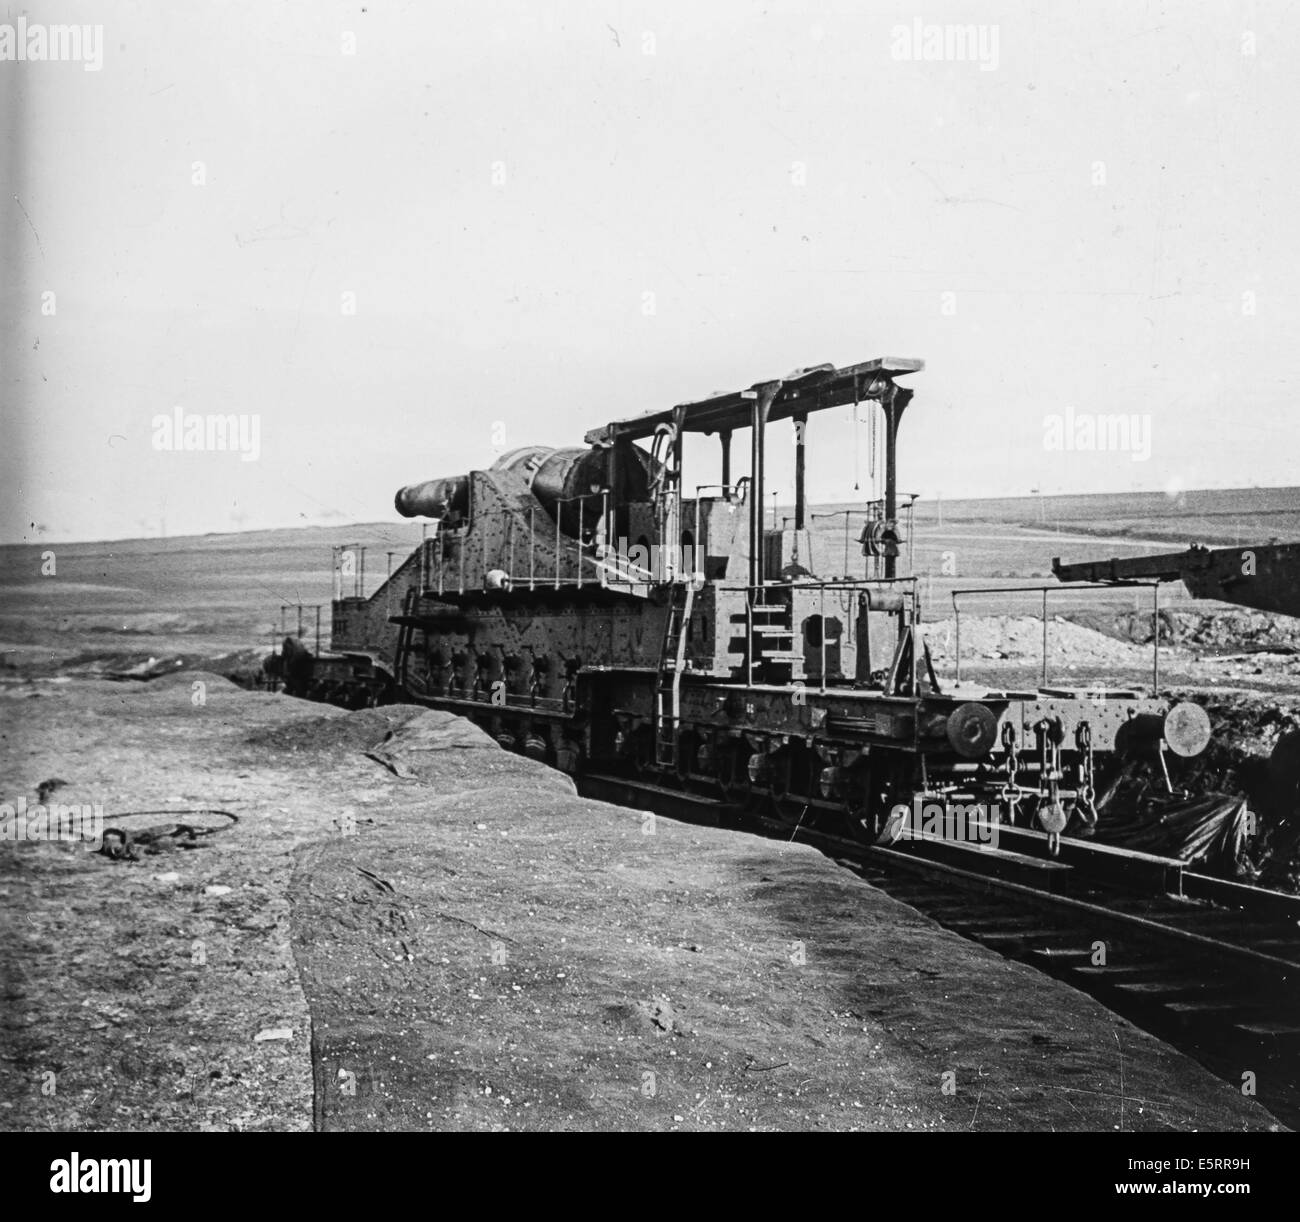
[733, 772]
[793, 775]
[643, 752]
[859, 807]
[892, 795]
[872, 795]
[779, 773]
[688, 746]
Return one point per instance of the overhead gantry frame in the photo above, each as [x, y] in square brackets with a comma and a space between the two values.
[794, 397]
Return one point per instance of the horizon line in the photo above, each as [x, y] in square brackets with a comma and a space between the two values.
[1032, 497]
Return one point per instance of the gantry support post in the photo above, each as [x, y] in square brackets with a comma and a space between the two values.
[764, 395]
[893, 400]
[800, 425]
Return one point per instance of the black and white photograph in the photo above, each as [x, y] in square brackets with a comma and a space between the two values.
[603, 566]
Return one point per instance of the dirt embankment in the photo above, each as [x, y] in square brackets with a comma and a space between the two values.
[469, 945]
[1203, 633]
[1019, 639]
[1193, 643]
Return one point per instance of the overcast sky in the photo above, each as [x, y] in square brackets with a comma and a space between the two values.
[550, 215]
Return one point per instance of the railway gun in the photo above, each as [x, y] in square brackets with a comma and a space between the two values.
[587, 609]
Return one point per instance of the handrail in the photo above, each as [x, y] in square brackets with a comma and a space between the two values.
[300, 607]
[576, 546]
[612, 565]
[1061, 589]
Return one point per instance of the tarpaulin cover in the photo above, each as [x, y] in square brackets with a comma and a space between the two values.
[1210, 829]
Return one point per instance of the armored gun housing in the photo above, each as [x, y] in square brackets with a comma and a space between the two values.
[585, 610]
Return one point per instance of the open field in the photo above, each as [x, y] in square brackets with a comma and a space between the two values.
[974, 542]
[230, 586]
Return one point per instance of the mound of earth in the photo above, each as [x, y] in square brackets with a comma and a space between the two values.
[125, 665]
[500, 955]
[333, 729]
[1222, 631]
[1019, 638]
[242, 665]
[142, 623]
[408, 749]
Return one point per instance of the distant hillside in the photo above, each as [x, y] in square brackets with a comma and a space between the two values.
[1216, 516]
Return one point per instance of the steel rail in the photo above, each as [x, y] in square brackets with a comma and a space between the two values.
[846, 848]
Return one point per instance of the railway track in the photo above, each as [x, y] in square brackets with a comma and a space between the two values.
[1210, 966]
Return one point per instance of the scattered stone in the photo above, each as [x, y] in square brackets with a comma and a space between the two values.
[273, 1033]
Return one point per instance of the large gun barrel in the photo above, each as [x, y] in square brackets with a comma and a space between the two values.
[1265, 576]
[436, 498]
[557, 478]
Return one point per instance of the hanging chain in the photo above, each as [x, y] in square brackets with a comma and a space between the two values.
[1087, 777]
[871, 467]
[1010, 790]
[1051, 813]
[857, 457]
